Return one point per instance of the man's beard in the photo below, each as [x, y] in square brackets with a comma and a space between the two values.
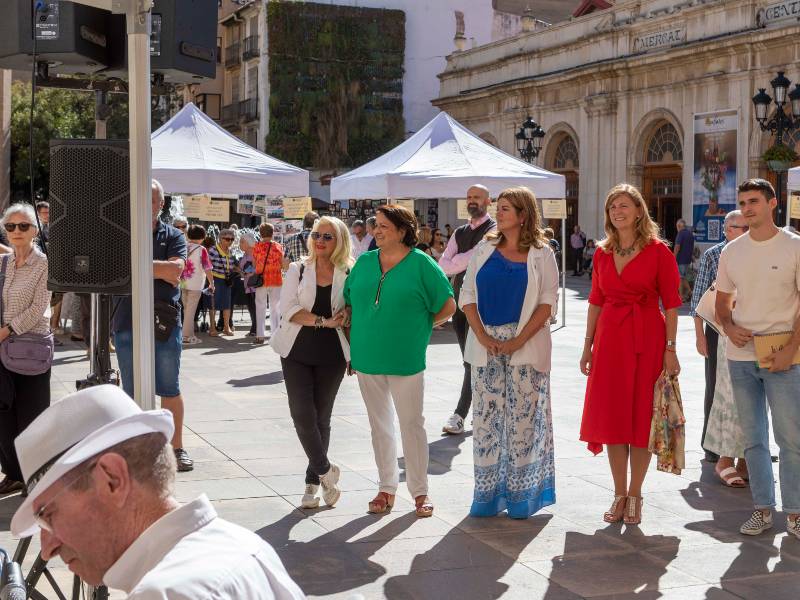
[476, 210]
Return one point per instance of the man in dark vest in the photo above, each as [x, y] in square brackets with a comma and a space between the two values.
[454, 263]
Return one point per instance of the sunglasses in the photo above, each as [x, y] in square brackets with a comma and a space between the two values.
[180, 226]
[23, 227]
[227, 239]
[315, 235]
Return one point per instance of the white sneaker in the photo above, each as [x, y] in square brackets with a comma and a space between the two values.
[757, 523]
[454, 425]
[310, 499]
[330, 491]
[793, 526]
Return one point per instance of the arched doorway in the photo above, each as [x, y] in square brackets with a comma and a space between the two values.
[663, 177]
[793, 141]
[564, 160]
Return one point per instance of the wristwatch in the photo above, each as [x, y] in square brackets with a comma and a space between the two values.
[319, 321]
[671, 345]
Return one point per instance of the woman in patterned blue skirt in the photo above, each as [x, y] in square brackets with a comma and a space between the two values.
[509, 294]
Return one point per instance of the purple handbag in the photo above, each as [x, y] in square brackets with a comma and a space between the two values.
[28, 353]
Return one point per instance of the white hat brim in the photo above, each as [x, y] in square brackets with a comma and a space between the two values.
[152, 421]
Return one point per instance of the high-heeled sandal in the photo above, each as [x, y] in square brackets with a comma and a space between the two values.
[424, 506]
[617, 510]
[381, 503]
[633, 511]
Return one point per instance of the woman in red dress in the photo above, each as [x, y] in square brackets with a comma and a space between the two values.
[629, 342]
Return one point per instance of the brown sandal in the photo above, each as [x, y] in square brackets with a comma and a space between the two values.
[633, 510]
[424, 506]
[381, 503]
[617, 510]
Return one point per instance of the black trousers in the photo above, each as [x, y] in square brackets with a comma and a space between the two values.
[712, 337]
[251, 308]
[27, 397]
[312, 391]
[461, 325]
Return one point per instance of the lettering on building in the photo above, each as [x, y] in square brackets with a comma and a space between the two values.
[660, 39]
[788, 9]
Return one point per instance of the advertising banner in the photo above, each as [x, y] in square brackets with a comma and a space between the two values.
[714, 172]
[296, 208]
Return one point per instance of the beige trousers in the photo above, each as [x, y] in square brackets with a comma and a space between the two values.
[383, 395]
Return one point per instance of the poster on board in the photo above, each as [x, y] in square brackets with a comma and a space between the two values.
[714, 173]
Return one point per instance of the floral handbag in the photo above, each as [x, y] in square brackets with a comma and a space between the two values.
[667, 427]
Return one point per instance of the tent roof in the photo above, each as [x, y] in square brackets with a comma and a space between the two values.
[192, 154]
[442, 160]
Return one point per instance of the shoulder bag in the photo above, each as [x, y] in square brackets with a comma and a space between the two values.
[707, 309]
[256, 280]
[27, 353]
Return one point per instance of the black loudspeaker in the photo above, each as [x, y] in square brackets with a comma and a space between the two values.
[183, 41]
[89, 246]
[70, 37]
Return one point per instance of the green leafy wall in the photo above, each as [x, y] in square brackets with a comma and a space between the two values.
[336, 83]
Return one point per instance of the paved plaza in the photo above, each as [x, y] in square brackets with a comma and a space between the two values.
[249, 462]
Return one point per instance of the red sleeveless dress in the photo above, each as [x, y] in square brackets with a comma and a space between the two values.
[629, 344]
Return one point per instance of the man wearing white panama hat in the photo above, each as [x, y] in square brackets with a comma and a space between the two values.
[100, 473]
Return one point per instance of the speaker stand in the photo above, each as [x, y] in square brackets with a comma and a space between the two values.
[100, 370]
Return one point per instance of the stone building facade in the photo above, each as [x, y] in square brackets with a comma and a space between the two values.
[618, 92]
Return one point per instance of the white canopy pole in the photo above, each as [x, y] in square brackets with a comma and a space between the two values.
[138, 19]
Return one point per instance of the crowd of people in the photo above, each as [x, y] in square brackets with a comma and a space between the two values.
[328, 293]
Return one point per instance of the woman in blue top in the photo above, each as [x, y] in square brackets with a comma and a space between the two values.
[509, 294]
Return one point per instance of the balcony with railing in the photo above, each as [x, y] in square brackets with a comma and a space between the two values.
[230, 113]
[232, 55]
[250, 48]
[248, 109]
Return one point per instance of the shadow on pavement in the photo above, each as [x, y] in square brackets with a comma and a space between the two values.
[330, 564]
[273, 378]
[462, 566]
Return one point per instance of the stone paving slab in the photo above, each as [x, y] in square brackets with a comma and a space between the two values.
[249, 462]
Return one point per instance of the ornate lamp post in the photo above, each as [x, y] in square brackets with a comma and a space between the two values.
[778, 124]
[529, 140]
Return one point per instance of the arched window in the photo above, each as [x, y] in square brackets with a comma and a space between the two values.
[566, 157]
[488, 137]
[665, 145]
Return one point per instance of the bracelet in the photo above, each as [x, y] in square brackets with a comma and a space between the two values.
[671, 349]
[588, 339]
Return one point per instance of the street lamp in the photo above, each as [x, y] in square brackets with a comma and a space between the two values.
[529, 139]
[780, 123]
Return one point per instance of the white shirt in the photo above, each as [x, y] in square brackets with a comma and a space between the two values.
[766, 279]
[357, 248]
[192, 554]
[542, 289]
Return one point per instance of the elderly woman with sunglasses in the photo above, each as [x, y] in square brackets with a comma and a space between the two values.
[314, 350]
[223, 267]
[396, 295]
[25, 303]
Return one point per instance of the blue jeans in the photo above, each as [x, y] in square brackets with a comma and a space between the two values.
[167, 367]
[753, 388]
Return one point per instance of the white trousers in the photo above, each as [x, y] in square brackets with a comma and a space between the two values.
[274, 295]
[407, 393]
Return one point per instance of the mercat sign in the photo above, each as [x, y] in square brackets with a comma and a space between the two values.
[778, 11]
[660, 39]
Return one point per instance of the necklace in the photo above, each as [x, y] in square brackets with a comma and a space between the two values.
[625, 251]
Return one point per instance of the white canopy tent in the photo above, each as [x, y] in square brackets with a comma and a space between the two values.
[442, 160]
[194, 155]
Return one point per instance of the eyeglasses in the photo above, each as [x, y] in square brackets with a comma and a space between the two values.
[23, 227]
[315, 235]
[180, 226]
[44, 522]
[227, 239]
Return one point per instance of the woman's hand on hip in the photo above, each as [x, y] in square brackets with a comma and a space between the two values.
[671, 364]
[586, 361]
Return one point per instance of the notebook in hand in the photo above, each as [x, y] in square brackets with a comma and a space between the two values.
[768, 343]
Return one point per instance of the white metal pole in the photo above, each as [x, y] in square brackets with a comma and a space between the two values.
[563, 272]
[138, 19]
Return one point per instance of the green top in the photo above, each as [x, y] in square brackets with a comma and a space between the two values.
[390, 332]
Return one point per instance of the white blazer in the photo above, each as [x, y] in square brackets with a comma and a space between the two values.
[542, 289]
[298, 295]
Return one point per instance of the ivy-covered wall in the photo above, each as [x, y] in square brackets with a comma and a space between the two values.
[336, 83]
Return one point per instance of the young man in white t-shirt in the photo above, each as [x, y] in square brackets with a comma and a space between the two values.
[760, 271]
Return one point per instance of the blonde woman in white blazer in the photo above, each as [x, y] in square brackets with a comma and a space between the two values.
[314, 350]
[509, 294]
